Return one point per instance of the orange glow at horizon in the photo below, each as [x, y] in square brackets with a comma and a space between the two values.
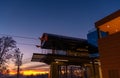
[33, 72]
[29, 72]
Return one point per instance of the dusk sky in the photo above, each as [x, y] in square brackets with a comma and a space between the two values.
[31, 18]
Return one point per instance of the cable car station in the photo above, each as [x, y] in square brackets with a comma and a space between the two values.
[68, 57]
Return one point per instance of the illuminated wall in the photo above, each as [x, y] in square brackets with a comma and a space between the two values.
[109, 46]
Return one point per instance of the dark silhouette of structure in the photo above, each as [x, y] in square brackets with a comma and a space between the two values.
[68, 57]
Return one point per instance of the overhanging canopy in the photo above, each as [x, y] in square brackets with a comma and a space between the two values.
[59, 42]
[49, 58]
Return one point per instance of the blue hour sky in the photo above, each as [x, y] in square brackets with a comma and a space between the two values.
[31, 18]
[66, 17]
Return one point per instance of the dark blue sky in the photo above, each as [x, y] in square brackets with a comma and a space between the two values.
[31, 18]
[66, 17]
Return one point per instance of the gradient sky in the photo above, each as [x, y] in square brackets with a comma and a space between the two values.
[31, 18]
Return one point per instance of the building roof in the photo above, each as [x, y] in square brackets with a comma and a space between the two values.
[110, 24]
[59, 42]
[108, 18]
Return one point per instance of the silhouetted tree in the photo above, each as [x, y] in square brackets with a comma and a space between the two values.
[7, 46]
[18, 60]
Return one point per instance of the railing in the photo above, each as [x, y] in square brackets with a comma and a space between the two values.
[62, 52]
[50, 51]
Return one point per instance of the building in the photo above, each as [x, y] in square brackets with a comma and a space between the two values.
[109, 45]
[68, 57]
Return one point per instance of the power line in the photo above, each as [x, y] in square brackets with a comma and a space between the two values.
[23, 38]
[27, 44]
[20, 36]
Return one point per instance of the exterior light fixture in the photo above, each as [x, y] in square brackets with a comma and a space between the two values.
[108, 26]
[60, 60]
[116, 30]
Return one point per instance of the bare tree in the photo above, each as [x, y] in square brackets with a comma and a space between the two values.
[18, 60]
[7, 45]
